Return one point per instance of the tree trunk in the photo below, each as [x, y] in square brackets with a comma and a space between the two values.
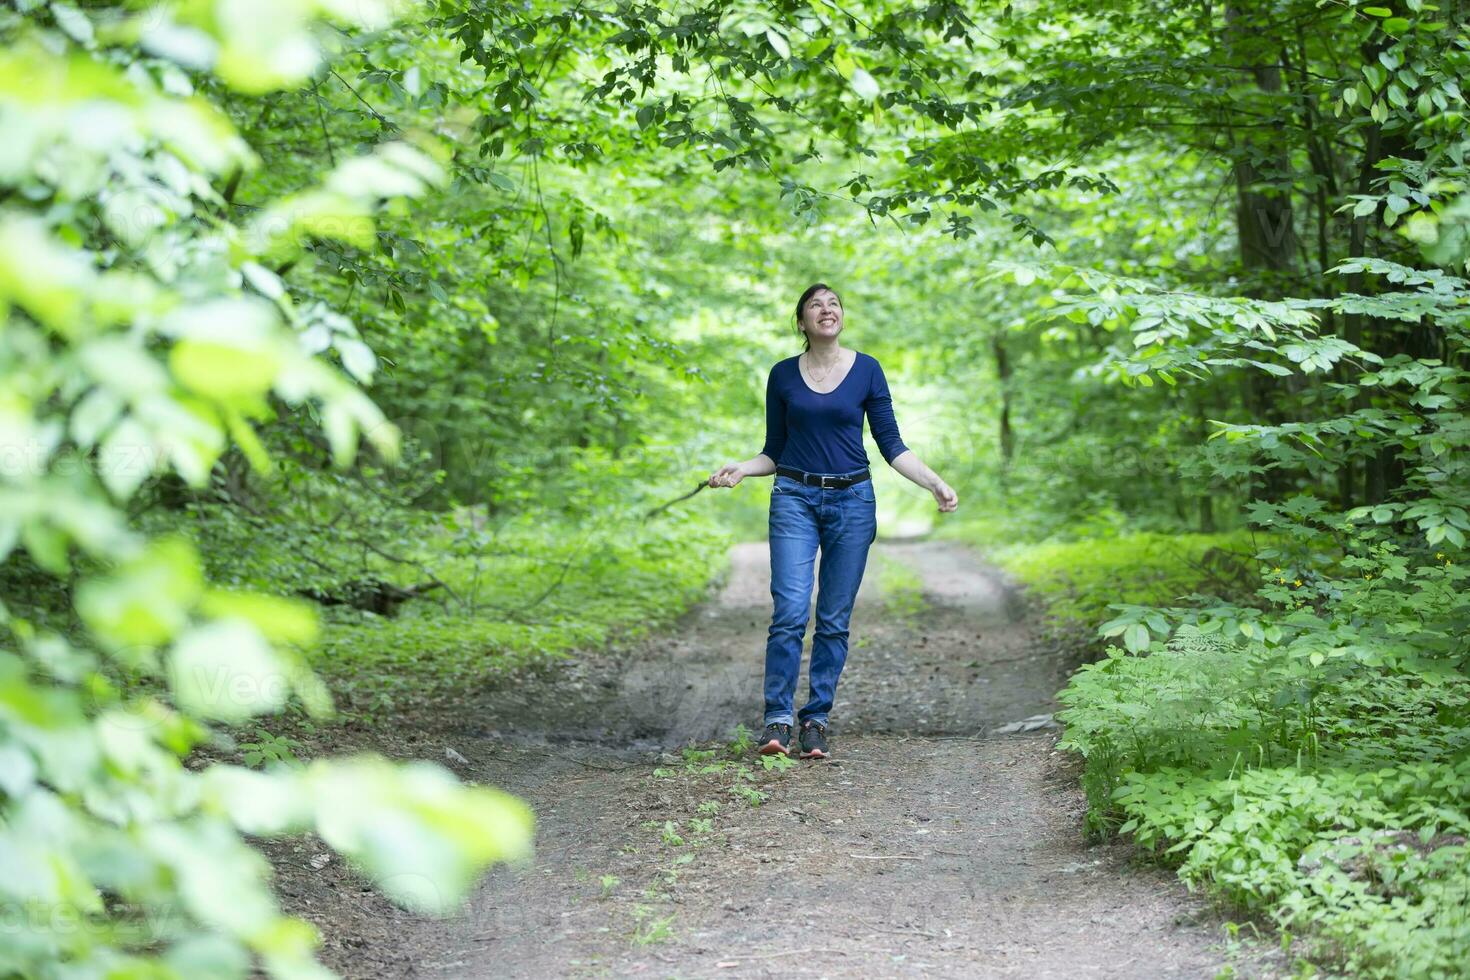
[1263, 216]
[1003, 372]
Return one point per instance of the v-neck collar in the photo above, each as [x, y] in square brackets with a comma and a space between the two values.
[851, 368]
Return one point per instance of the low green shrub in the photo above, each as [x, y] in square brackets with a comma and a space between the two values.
[1079, 580]
[545, 602]
[1306, 756]
[475, 597]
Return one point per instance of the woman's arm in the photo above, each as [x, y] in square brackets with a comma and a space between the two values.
[732, 473]
[879, 406]
[910, 465]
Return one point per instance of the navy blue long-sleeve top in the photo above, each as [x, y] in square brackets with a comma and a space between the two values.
[823, 433]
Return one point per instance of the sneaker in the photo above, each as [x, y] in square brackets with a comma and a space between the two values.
[814, 741]
[775, 740]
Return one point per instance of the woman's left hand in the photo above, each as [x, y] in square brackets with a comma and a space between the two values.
[948, 500]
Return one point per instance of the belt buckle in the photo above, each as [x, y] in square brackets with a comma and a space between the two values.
[826, 485]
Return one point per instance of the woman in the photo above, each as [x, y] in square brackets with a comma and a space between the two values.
[823, 495]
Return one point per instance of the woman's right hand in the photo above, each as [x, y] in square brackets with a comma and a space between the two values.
[727, 475]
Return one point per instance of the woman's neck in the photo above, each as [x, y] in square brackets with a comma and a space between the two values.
[825, 352]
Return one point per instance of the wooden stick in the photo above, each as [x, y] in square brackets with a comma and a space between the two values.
[661, 507]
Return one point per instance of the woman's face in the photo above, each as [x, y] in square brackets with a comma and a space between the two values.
[821, 317]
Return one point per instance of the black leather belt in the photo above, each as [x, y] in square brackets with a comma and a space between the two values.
[820, 480]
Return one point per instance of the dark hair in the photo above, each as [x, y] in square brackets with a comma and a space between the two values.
[806, 295]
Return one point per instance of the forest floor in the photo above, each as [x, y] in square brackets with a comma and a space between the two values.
[930, 845]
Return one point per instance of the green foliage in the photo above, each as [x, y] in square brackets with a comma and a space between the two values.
[1300, 749]
[652, 928]
[554, 588]
[146, 332]
[215, 227]
[742, 740]
[1305, 753]
[777, 763]
[1371, 863]
[900, 586]
[752, 796]
[267, 749]
[1313, 768]
[1081, 580]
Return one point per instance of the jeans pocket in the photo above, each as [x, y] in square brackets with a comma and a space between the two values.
[863, 491]
[784, 484]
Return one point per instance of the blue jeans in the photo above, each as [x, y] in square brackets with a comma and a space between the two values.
[844, 523]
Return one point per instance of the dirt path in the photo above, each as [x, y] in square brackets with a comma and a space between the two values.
[927, 847]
